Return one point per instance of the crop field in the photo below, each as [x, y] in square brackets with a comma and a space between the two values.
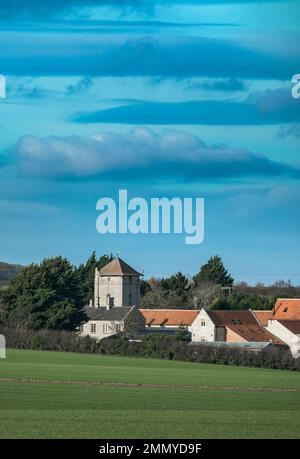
[63, 395]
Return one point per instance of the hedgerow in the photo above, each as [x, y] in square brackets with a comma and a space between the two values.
[158, 347]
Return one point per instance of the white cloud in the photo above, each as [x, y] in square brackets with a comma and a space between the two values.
[141, 153]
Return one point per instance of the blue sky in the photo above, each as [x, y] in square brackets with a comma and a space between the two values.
[164, 98]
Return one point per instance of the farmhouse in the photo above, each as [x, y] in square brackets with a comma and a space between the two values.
[107, 322]
[283, 321]
[230, 327]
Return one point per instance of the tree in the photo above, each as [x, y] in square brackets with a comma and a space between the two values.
[168, 293]
[45, 295]
[145, 287]
[214, 271]
[155, 298]
[205, 294]
[178, 284]
[86, 274]
[182, 334]
[238, 300]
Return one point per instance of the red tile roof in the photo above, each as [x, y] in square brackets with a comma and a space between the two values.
[286, 309]
[292, 325]
[169, 317]
[263, 316]
[232, 317]
[118, 267]
[254, 333]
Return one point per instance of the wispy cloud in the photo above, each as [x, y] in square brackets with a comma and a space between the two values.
[26, 207]
[267, 107]
[289, 131]
[81, 86]
[227, 85]
[56, 8]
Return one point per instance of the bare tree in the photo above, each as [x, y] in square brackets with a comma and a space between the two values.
[205, 294]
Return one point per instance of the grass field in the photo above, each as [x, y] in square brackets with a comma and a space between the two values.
[61, 395]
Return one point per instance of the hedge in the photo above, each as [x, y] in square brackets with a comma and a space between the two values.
[161, 347]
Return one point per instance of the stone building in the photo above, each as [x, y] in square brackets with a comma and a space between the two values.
[115, 306]
[104, 322]
[117, 285]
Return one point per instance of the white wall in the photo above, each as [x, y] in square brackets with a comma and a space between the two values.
[125, 290]
[201, 332]
[131, 287]
[133, 322]
[103, 328]
[112, 286]
[292, 340]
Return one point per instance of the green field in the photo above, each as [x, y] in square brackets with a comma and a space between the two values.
[61, 395]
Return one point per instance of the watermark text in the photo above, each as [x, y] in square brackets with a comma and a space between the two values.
[155, 216]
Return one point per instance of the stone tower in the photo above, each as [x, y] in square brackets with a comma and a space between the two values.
[117, 285]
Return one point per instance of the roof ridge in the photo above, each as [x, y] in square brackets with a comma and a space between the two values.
[117, 266]
[169, 309]
[282, 299]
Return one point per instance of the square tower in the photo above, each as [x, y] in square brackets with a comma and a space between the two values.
[117, 285]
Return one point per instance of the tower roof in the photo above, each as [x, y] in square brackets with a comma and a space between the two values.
[118, 267]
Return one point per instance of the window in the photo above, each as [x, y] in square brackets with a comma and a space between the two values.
[130, 279]
[110, 301]
[203, 339]
[105, 328]
[108, 279]
[202, 323]
[93, 328]
[130, 299]
[285, 309]
[118, 327]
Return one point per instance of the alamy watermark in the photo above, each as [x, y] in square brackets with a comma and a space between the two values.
[2, 87]
[296, 87]
[156, 216]
[2, 347]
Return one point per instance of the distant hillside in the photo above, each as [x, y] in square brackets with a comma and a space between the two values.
[7, 271]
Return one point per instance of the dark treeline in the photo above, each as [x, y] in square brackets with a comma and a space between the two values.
[51, 294]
